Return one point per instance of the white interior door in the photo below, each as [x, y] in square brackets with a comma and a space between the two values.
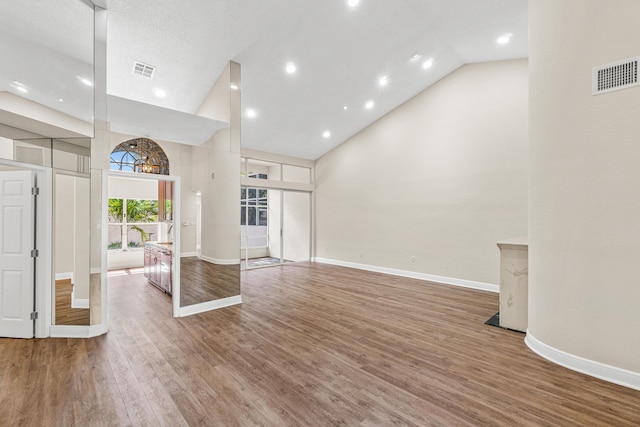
[16, 263]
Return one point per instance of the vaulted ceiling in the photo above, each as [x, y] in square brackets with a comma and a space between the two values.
[341, 54]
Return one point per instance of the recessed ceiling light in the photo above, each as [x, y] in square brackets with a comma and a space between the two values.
[345, 107]
[369, 105]
[326, 134]
[504, 39]
[415, 56]
[20, 87]
[290, 67]
[353, 3]
[60, 100]
[427, 64]
[233, 86]
[160, 93]
[250, 112]
[86, 81]
[383, 81]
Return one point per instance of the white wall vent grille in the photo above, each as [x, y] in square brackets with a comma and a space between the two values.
[145, 70]
[615, 76]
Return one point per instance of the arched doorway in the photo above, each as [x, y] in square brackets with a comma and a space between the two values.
[140, 218]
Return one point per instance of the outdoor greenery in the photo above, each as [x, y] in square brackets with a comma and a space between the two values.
[136, 211]
[114, 245]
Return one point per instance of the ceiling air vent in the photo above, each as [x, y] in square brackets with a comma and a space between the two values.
[145, 70]
[615, 76]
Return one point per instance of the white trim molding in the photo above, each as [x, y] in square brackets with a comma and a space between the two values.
[589, 367]
[188, 254]
[209, 305]
[220, 261]
[69, 331]
[79, 302]
[413, 275]
[65, 276]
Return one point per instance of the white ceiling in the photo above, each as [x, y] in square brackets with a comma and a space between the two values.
[339, 52]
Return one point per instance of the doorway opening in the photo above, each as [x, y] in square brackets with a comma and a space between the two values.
[142, 243]
[275, 226]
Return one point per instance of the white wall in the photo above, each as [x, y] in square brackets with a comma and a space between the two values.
[82, 239]
[584, 284]
[220, 195]
[64, 227]
[126, 188]
[71, 232]
[6, 148]
[441, 179]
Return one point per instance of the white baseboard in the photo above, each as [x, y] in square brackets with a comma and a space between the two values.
[64, 276]
[78, 302]
[592, 368]
[414, 275]
[209, 305]
[186, 254]
[220, 261]
[68, 331]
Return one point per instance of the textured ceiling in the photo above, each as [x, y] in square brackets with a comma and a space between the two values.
[339, 52]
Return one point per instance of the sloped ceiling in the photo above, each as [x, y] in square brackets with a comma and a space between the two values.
[339, 53]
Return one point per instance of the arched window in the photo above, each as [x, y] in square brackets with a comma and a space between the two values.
[139, 155]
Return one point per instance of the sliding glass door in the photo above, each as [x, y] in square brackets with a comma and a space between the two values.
[296, 226]
[275, 226]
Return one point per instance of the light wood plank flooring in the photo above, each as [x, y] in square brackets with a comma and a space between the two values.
[312, 345]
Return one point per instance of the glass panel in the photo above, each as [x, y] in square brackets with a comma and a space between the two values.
[215, 274]
[72, 154]
[137, 234]
[296, 226]
[95, 294]
[116, 210]
[260, 169]
[251, 216]
[50, 65]
[115, 237]
[296, 174]
[262, 217]
[273, 225]
[72, 249]
[142, 210]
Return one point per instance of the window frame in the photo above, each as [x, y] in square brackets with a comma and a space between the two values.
[125, 226]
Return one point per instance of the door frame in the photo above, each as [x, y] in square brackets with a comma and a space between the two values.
[175, 285]
[44, 279]
[244, 254]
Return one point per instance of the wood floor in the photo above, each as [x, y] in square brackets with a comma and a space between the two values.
[65, 314]
[312, 345]
[202, 281]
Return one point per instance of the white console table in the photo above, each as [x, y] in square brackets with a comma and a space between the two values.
[514, 283]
